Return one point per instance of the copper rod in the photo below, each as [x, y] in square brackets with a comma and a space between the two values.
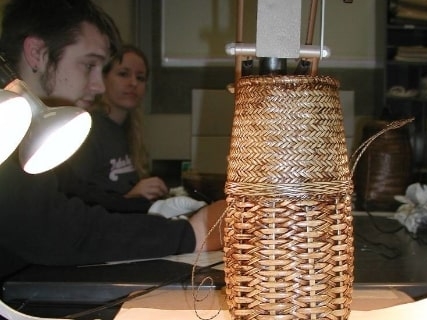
[310, 33]
[311, 22]
[305, 66]
[314, 66]
[239, 39]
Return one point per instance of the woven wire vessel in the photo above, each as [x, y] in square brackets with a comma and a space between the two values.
[288, 237]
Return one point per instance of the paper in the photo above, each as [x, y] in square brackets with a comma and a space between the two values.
[409, 311]
[133, 314]
[202, 260]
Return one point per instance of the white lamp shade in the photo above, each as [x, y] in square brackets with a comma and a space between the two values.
[54, 135]
[15, 118]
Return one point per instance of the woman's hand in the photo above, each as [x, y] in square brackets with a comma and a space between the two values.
[151, 188]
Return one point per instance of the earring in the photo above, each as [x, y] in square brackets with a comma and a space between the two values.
[34, 69]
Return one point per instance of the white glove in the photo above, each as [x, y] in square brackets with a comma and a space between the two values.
[175, 206]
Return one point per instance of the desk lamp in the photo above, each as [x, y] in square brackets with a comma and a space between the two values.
[54, 133]
[47, 136]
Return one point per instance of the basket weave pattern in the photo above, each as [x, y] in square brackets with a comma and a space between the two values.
[288, 237]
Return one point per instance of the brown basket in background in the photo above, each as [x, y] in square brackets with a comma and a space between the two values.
[206, 187]
[288, 237]
[385, 168]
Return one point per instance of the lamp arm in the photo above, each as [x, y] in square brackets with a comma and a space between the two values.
[9, 80]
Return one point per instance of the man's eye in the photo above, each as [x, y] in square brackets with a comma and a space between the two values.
[90, 66]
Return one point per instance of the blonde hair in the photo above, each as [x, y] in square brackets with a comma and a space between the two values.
[134, 122]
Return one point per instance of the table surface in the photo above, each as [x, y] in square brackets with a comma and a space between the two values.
[386, 256]
[186, 304]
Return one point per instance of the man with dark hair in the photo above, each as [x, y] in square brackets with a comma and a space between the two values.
[59, 47]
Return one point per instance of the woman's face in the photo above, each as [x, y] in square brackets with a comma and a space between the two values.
[125, 83]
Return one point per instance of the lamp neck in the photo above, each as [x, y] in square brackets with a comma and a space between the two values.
[20, 87]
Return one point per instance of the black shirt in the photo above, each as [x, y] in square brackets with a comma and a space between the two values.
[40, 225]
[101, 172]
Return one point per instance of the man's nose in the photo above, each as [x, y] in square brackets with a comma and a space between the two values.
[97, 85]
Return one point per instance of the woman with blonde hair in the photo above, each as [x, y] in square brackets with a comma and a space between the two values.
[111, 168]
[127, 104]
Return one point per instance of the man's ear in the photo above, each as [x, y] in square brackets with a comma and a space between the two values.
[33, 50]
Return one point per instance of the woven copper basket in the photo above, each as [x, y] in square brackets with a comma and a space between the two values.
[288, 236]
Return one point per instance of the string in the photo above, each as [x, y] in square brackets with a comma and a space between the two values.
[193, 271]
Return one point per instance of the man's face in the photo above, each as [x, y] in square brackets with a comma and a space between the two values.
[78, 77]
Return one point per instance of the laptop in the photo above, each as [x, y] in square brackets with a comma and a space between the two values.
[100, 284]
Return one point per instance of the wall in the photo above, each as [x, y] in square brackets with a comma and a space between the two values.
[189, 39]
[354, 32]
[123, 14]
[171, 85]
